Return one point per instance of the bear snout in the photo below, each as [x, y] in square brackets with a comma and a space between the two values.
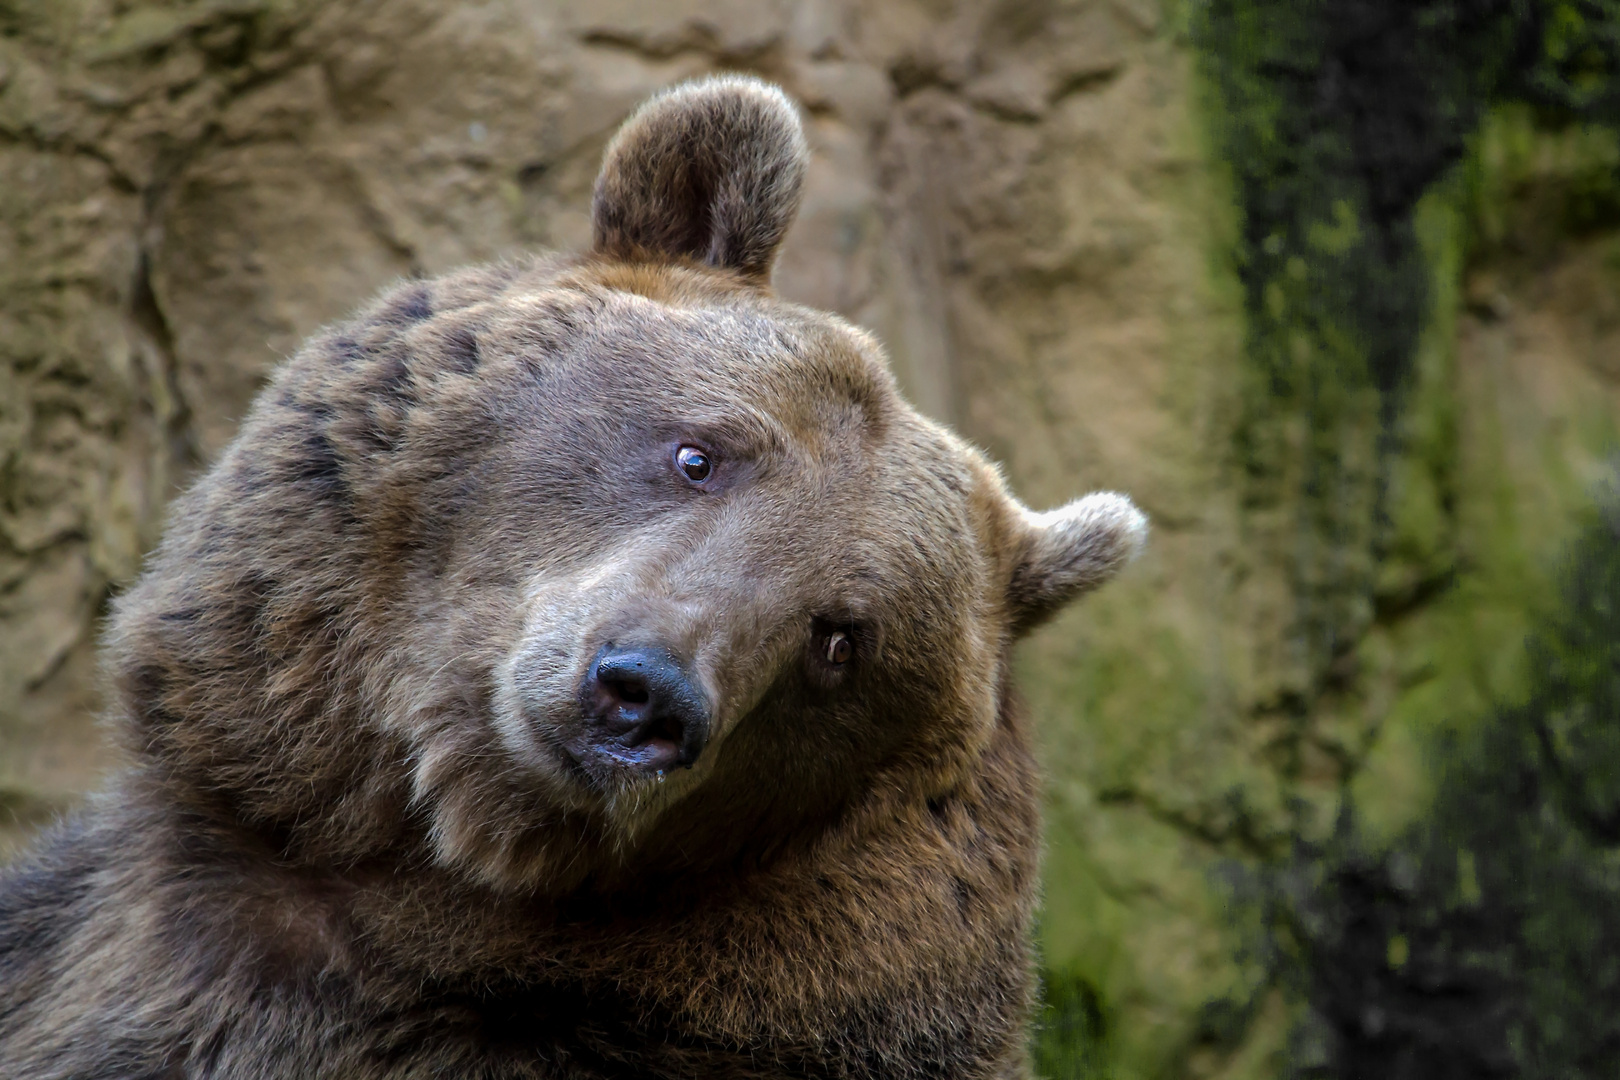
[643, 711]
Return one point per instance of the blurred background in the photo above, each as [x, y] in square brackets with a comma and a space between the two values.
[1332, 287]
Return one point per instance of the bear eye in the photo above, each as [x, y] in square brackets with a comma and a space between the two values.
[693, 463]
[838, 648]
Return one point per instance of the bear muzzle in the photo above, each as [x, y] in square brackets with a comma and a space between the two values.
[643, 711]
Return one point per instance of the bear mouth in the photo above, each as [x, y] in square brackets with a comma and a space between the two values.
[630, 739]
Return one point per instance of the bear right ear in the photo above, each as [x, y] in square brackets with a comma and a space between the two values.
[709, 170]
[1069, 551]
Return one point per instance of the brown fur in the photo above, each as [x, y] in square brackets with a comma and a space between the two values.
[353, 846]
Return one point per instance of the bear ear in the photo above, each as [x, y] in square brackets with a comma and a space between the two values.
[1066, 552]
[709, 170]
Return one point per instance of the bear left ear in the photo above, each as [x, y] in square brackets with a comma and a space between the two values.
[709, 170]
[1070, 551]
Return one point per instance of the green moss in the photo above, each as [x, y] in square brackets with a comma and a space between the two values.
[1399, 532]
[1405, 512]
[1531, 187]
[1130, 915]
[1070, 1036]
[1329, 179]
[1415, 504]
[1149, 785]
[1399, 498]
[1484, 932]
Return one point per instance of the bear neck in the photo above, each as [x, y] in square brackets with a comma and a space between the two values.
[859, 898]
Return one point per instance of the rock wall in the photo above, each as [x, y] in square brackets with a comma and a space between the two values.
[1022, 197]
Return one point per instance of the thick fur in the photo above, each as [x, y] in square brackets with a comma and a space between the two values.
[354, 843]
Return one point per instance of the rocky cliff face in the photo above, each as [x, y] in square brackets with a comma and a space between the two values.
[1027, 200]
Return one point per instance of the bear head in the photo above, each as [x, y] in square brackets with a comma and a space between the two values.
[579, 568]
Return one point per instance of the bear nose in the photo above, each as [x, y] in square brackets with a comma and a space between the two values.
[647, 708]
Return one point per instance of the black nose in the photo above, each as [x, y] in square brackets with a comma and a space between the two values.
[647, 709]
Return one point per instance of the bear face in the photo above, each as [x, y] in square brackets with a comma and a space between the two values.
[583, 569]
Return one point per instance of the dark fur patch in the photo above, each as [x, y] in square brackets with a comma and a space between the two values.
[345, 350]
[375, 436]
[319, 466]
[393, 378]
[964, 898]
[461, 350]
[412, 306]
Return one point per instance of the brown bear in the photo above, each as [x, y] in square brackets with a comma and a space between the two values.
[578, 667]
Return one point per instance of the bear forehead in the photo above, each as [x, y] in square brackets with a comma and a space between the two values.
[704, 354]
[804, 392]
[571, 362]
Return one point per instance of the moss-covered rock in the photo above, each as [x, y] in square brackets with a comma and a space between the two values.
[1422, 399]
